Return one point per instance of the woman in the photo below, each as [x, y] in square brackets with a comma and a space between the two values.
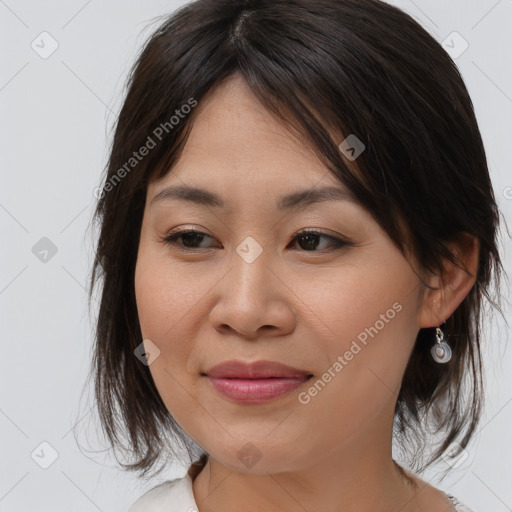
[298, 230]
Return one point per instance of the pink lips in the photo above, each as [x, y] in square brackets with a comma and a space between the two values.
[256, 382]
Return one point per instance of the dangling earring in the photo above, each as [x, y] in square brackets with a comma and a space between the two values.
[441, 351]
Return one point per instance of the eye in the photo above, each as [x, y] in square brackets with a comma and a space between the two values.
[189, 237]
[307, 239]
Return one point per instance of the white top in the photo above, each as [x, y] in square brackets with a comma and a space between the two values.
[170, 496]
[178, 496]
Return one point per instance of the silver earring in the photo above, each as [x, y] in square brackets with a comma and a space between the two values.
[441, 351]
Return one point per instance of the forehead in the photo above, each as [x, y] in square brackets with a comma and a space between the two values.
[233, 125]
[238, 147]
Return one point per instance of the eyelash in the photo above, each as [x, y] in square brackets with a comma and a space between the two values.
[171, 239]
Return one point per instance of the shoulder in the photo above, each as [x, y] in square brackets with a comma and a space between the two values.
[459, 506]
[169, 496]
[433, 496]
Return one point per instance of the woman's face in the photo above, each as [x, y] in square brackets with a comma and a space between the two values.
[248, 289]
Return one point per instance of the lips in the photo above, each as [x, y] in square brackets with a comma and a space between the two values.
[234, 369]
[257, 382]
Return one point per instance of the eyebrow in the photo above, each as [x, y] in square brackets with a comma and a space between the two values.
[291, 201]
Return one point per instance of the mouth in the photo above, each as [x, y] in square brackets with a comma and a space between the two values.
[256, 370]
[256, 382]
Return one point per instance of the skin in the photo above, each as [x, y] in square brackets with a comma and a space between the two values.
[300, 304]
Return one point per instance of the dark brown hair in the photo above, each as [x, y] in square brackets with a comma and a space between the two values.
[358, 67]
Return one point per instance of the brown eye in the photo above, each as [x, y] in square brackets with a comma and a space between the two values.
[191, 239]
[309, 241]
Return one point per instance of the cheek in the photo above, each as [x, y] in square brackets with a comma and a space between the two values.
[151, 300]
[159, 308]
[344, 302]
[172, 307]
[365, 315]
[164, 295]
[163, 304]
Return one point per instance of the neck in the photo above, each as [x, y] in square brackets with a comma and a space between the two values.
[332, 485]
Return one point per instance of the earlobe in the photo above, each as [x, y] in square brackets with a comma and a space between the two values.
[446, 292]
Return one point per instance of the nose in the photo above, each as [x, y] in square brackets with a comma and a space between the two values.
[253, 300]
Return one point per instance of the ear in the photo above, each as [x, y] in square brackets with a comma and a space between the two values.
[450, 289]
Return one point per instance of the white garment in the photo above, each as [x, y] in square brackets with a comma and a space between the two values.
[459, 507]
[178, 496]
[170, 496]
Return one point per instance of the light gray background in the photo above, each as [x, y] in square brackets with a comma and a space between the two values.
[56, 115]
